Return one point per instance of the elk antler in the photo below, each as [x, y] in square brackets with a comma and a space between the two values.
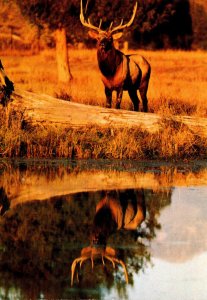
[91, 253]
[121, 26]
[88, 23]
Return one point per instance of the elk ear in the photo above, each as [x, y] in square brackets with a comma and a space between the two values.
[94, 35]
[117, 36]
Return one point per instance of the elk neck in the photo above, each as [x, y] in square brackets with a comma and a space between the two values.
[109, 61]
[104, 220]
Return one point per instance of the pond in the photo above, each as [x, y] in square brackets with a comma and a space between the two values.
[103, 230]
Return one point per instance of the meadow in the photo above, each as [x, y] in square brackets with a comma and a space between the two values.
[177, 87]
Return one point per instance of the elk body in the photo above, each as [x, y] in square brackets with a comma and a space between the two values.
[119, 72]
[117, 210]
[124, 210]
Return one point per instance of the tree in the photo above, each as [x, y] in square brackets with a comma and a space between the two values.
[164, 24]
[199, 17]
[59, 16]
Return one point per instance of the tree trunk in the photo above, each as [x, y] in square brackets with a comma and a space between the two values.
[64, 74]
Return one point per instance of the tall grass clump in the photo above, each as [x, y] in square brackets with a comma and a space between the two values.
[177, 141]
[11, 133]
[174, 141]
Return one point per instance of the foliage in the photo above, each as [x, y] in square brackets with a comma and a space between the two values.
[164, 24]
[156, 19]
[159, 23]
[56, 14]
[16, 32]
[199, 19]
[52, 14]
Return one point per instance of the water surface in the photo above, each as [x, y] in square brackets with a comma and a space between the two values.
[48, 212]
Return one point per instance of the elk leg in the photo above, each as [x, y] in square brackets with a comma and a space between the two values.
[108, 94]
[133, 96]
[119, 98]
[143, 94]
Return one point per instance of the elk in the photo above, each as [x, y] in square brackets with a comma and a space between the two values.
[116, 211]
[119, 72]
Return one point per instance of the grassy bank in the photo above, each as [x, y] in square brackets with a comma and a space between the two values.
[175, 141]
[177, 86]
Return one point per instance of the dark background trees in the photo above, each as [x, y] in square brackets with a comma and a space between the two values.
[158, 23]
[178, 24]
[199, 20]
[164, 24]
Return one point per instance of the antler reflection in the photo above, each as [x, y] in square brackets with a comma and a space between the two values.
[95, 253]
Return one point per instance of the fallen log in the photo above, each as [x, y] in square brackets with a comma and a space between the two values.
[46, 111]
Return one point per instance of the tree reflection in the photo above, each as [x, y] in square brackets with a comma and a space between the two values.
[39, 241]
[4, 201]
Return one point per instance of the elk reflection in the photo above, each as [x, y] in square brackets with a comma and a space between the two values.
[115, 211]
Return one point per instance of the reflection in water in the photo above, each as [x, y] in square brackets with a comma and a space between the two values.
[115, 211]
[40, 240]
[48, 216]
[179, 242]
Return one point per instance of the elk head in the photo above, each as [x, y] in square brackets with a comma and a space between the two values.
[105, 38]
[92, 253]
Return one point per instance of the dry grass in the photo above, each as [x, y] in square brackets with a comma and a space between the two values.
[177, 87]
[178, 82]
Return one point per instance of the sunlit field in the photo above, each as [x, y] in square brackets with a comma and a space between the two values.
[177, 86]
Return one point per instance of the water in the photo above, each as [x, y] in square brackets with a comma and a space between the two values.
[52, 210]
